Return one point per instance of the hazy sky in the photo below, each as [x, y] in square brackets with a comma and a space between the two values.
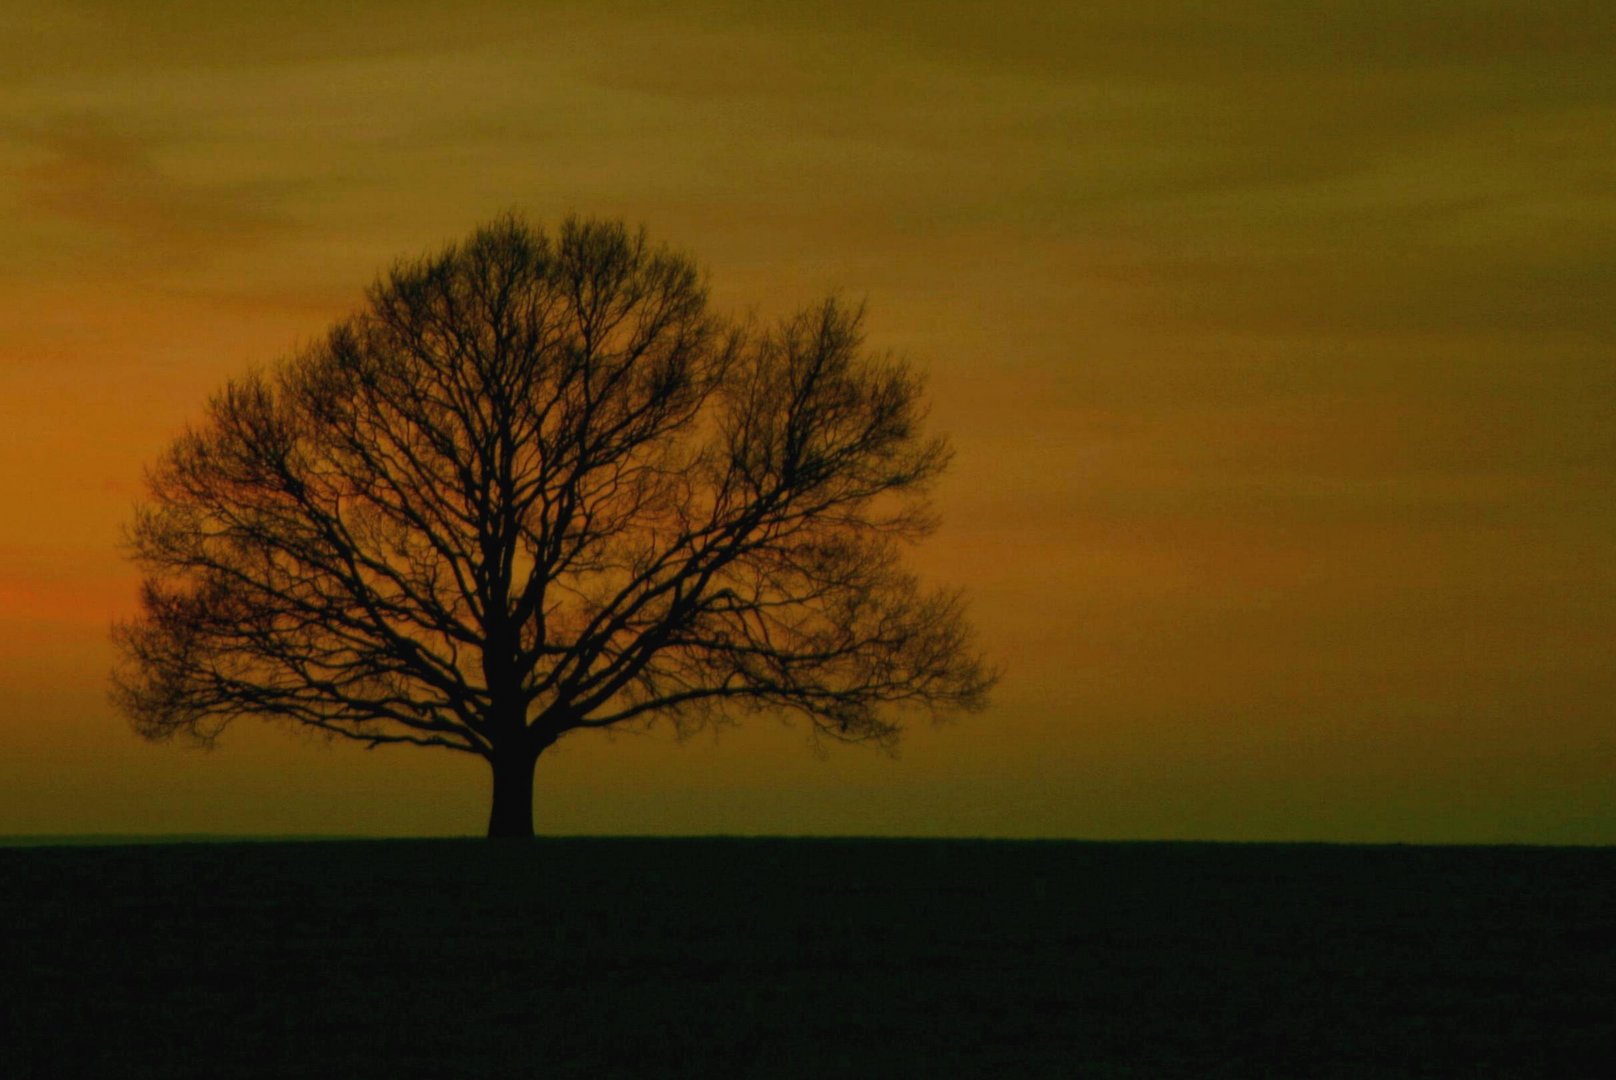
[1277, 342]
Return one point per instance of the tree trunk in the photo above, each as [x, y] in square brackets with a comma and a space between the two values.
[512, 813]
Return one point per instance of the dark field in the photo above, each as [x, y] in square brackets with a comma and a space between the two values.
[781, 958]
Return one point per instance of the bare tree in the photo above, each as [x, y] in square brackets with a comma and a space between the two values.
[535, 485]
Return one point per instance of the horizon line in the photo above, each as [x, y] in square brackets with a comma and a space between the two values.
[34, 840]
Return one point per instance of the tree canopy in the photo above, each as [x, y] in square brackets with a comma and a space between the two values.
[535, 484]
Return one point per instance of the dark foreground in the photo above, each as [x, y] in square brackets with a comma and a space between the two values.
[615, 958]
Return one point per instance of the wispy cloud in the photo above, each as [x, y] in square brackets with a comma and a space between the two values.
[117, 186]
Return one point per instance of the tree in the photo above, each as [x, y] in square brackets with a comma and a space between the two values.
[535, 485]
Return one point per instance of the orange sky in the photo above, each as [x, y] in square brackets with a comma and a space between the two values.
[1277, 342]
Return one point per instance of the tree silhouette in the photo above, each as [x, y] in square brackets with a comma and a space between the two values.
[535, 485]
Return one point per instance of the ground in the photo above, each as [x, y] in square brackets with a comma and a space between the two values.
[786, 958]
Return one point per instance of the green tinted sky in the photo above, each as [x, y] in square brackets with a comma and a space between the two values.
[1277, 341]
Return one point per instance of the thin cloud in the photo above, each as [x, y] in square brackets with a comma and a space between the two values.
[116, 187]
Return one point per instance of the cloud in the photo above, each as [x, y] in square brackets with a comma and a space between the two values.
[122, 197]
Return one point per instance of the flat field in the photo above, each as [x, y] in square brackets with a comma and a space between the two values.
[805, 958]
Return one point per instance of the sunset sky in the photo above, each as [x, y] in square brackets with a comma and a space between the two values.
[1277, 343]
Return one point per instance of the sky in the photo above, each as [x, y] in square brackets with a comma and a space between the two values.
[1276, 341]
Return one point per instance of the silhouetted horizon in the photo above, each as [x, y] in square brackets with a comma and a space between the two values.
[806, 959]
